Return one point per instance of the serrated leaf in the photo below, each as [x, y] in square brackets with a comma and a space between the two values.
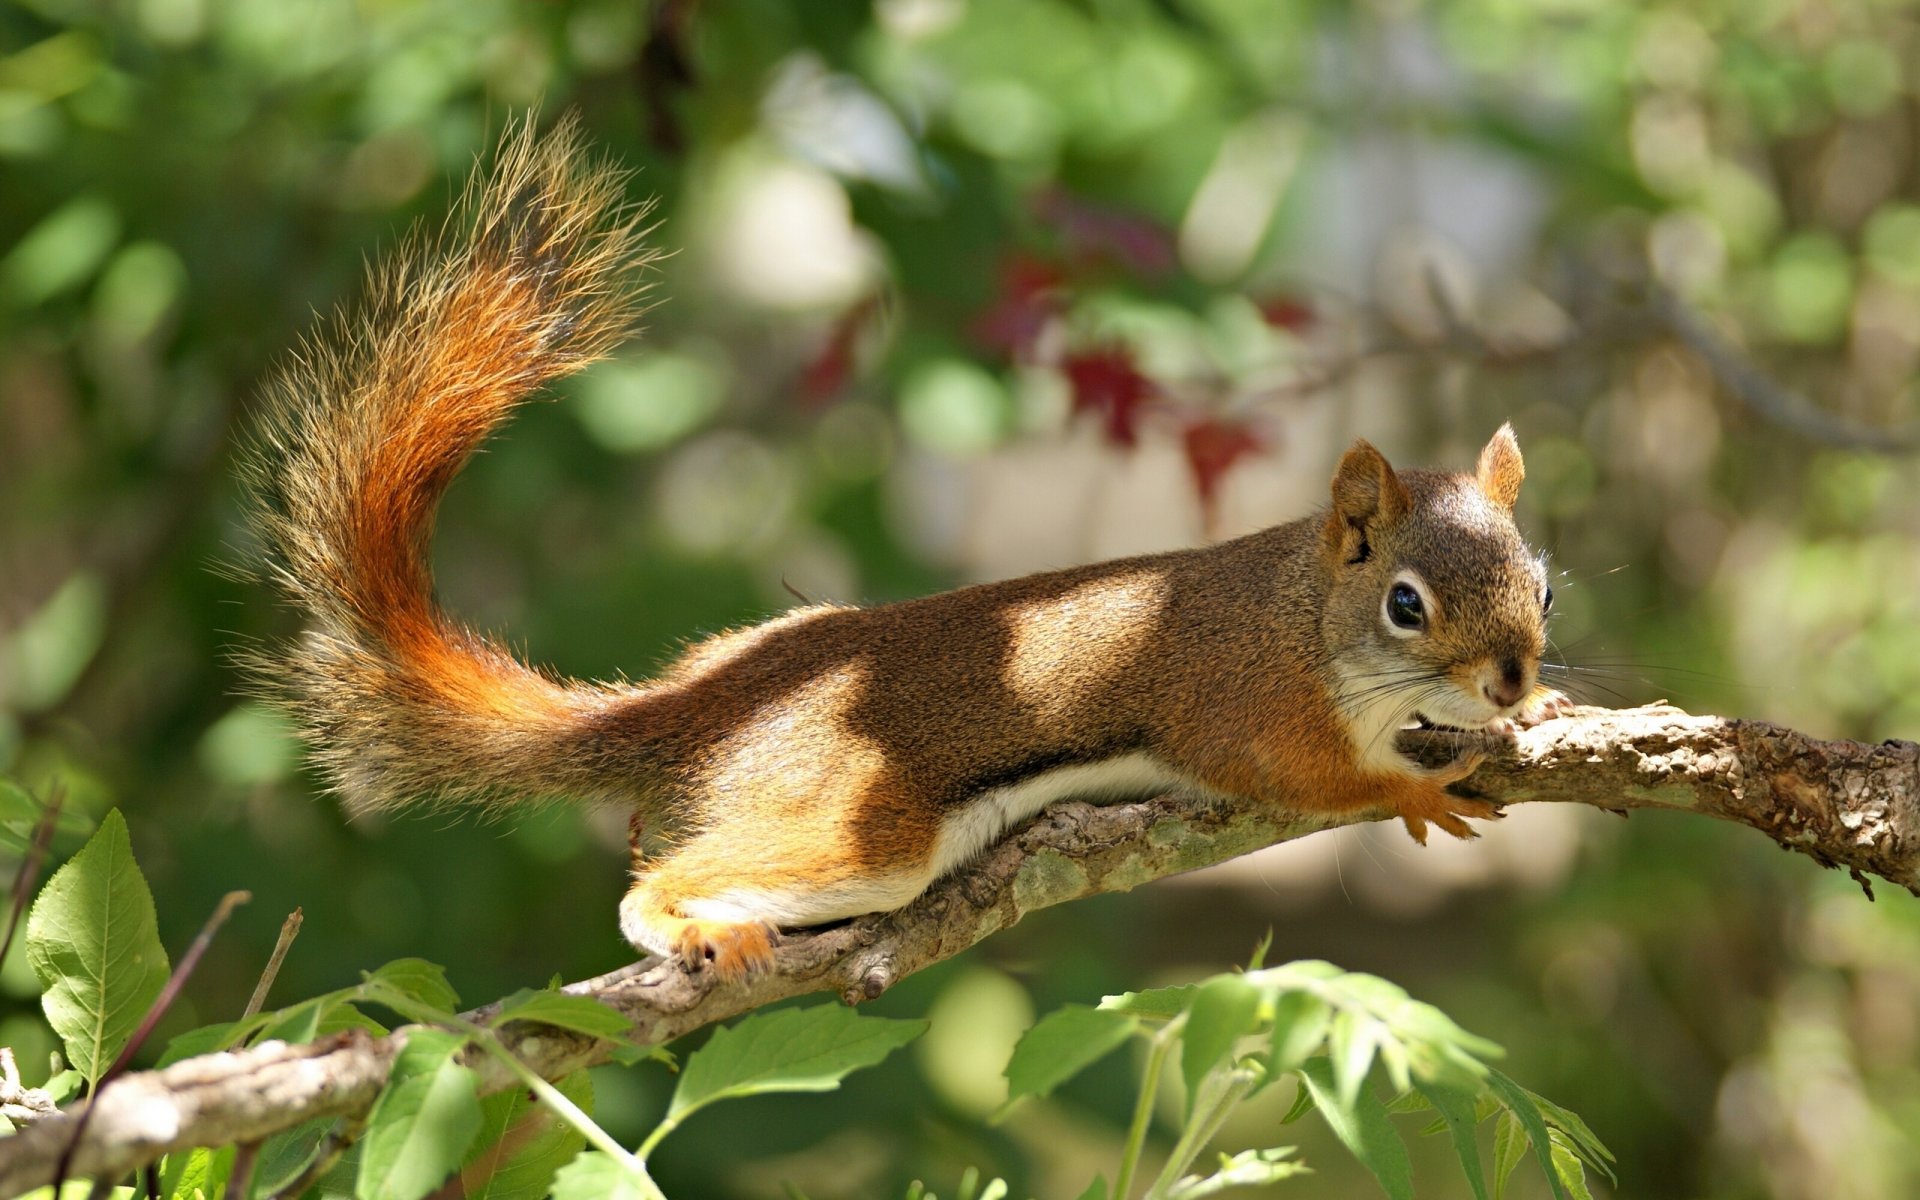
[1154, 1004]
[1456, 1113]
[1408, 1102]
[593, 1175]
[582, 1014]
[1224, 1009]
[523, 1143]
[93, 943]
[1583, 1140]
[421, 980]
[1520, 1103]
[1509, 1148]
[422, 1123]
[1300, 1021]
[1363, 1127]
[794, 1050]
[1568, 1168]
[198, 1170]
[1061, 1045]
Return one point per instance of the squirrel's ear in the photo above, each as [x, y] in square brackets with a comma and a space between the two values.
[1501, 469]
[1366, 495]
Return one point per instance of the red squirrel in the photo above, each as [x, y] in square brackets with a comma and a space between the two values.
[835, 760]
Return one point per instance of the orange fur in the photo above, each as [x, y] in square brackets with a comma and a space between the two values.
[834, 761]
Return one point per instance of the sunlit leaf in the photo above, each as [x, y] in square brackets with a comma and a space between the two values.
[794, 1050]
[423, 1122]
[1363, 1126]
[1061, 1045]
[93, 942]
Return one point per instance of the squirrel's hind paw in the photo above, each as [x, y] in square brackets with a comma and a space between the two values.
[731, 951]
[1446, 812]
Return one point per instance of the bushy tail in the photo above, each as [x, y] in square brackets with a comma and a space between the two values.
[534, 277]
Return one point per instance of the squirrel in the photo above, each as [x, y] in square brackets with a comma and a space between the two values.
[836, 760]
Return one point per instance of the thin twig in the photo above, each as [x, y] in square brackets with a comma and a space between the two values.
[289, 929]
[1766, 395]
[240, 1178]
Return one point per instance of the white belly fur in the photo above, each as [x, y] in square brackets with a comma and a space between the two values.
[973, 827]
[981, 820]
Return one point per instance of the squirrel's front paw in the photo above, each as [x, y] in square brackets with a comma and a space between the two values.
[1544, 704]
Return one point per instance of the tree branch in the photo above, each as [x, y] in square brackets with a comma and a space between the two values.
[1844, 804]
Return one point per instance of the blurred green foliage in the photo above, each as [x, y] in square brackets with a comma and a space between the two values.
[934, 252]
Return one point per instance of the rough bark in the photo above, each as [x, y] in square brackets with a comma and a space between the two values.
[1844, 804]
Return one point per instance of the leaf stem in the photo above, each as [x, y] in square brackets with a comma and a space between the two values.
[1143, 1108]
[1220, 1092]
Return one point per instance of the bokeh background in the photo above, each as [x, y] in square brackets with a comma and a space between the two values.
[967, 288]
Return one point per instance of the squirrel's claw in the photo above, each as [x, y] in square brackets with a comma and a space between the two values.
[1543, 705]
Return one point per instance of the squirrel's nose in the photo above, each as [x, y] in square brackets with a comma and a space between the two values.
[1510, 687]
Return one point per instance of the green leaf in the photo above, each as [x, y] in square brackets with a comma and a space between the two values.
[296, 1023]
[1224, 1009]
[523, 1144]
[592, 1175]
[1520, 1103]
[1567, 1167]
[1300, 1021]
[1249, 1168]
[93, 943]
[1350, 1046]
[794, 1050]
[63, 1086]
[205, 1040]
[1363, 1127]
[1097, 1190]
[283, 1155]
[421, 980]
[1302, 1103]
[19, 813]
[1154, 1004]
[423, 1122]
[1509, 1148]
[1061, 1045]
[1583, 1141]
[198, 1170]
[1456, 1111]
[582, 1014]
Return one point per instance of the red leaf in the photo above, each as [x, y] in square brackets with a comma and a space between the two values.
[826, 376]
[1213, 446]
[1029, 297]
[1095, 232]
[1107, 383]
[1288, 313]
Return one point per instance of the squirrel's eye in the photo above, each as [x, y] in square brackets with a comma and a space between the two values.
[1546, 601]
[1404, 608]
